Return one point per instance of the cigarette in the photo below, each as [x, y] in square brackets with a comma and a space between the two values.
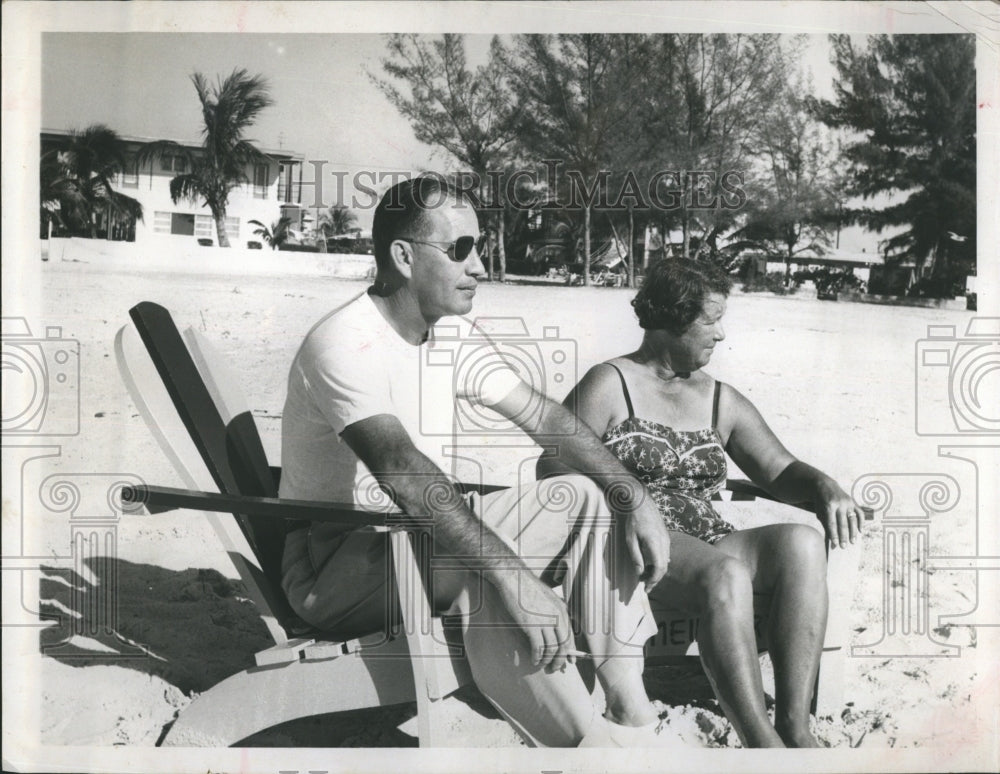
[578, 653]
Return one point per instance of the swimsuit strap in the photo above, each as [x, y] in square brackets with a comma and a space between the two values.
[715, 405]
[628, 399]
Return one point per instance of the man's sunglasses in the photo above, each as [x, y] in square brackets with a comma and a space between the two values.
[458, 250]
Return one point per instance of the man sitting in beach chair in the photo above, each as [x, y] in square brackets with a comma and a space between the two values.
[352, 421]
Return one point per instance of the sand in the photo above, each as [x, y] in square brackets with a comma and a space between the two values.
[834, 380]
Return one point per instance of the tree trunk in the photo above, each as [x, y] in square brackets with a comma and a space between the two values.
[220, 228]
[501, 250]
[939, 261]
[631, 248]
[586, 245]
[684, 226]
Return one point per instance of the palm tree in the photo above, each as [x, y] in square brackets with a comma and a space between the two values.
[228, 109]
[276, 235]
[338, 219]
[75, 181]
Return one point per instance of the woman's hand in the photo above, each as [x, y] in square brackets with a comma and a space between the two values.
[840, 516]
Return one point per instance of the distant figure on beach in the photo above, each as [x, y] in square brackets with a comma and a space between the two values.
[353, 411]
[671, 424]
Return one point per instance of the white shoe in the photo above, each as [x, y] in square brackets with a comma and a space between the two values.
[653, 734]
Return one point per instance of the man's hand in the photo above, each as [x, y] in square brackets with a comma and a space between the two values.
[840, 516]
[541, 615]
[648, 541]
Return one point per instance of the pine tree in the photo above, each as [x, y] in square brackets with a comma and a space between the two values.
[466, 112]
[910, 102]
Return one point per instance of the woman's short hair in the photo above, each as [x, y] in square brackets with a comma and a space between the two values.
[674, 291]
[402, 208]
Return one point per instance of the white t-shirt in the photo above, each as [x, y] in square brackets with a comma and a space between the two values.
[354, 365]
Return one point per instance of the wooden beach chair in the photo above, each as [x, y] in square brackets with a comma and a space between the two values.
[194, 408]
[196, 411]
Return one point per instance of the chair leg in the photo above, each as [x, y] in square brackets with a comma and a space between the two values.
[262, 697]
[439, 666]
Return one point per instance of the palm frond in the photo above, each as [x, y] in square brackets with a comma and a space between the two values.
[188, 186]
[124, 206]
[229, 107]
[157, 149]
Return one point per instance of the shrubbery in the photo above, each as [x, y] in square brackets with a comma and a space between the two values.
[772, 282]
[829, 282]
[937, 287]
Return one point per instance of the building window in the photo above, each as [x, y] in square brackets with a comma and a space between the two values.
[204, 226]
[129, 176]
[161, 222]
[286, 184]
[189, 224]
[260, 181]
[180, 223]
[173, 163]
[294, 215]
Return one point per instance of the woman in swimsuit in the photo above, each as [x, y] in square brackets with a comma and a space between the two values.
[672, 424]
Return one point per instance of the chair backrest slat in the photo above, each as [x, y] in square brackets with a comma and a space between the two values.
[204, 394]
[188, 392]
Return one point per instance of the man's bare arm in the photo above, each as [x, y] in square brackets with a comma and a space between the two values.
[577, 448]
[422, 490]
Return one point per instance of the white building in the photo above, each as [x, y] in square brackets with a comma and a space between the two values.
[274, 189]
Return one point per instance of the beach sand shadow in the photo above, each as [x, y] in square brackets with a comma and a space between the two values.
[192, 628]
[680, 685]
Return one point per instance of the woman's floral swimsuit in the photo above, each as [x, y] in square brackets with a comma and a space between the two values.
[681, 469]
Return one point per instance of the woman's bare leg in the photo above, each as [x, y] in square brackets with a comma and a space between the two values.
[717, 586]
[788, 562]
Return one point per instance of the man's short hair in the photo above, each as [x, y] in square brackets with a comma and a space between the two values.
[674, 291]
[402, 208]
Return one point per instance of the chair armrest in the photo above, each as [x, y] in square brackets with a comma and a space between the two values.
[158, 499]
[481, 489]
[747, 490]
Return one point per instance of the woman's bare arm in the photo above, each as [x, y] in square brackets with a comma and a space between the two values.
[757, 451]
